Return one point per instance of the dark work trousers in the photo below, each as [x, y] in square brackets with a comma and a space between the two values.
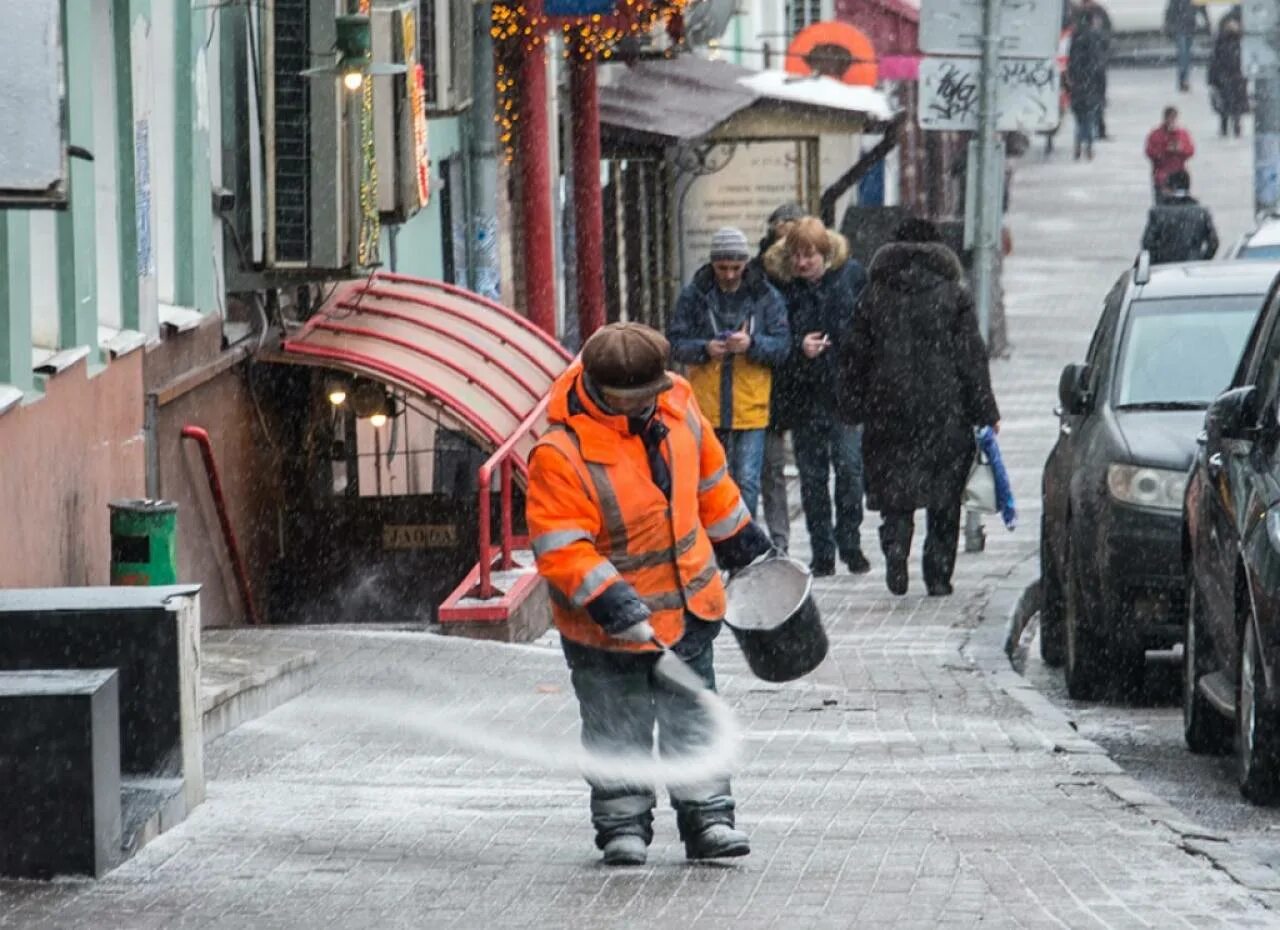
[621, 699]
[941, 536]
[820, 448]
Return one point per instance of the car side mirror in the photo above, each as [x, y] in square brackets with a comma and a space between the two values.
[1073, 389]
[1233, 415]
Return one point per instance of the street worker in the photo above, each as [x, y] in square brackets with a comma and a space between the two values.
[1179, 228]
[1168, 147]
[629, 509]
[729, 327]
[773, 478]
[820, 284]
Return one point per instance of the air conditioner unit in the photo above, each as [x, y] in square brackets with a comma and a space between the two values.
[399, 115]
[445, 50]
[308, 167]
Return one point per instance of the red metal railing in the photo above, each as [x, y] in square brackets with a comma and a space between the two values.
[502, 459]
[201, 438]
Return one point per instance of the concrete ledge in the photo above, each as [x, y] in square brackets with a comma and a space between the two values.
[519, 613]
[242, 680]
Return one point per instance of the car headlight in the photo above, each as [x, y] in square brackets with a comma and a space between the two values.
[1158, 488]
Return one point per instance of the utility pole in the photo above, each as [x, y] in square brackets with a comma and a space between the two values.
[986, 210]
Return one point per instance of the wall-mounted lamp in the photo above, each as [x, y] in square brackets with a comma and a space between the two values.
[355, 54]
[335, 388]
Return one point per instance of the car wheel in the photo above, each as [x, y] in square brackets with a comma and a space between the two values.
[1206, 730]
[1086, 671]
[1053, 646]
[1257, 726]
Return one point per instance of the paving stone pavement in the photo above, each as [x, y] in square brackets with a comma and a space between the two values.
[904, 784]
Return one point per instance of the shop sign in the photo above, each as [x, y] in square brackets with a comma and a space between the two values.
[416, 89]
[419, 536]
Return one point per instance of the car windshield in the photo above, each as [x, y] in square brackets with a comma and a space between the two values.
[1181, 352]
[1260, 252]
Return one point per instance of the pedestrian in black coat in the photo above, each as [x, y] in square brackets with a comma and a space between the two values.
[819, 284]
[914, 374]
[1087, 81]
[1229, 88]
[1179, 229]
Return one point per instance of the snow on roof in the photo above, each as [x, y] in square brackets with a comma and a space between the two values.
[819, 92]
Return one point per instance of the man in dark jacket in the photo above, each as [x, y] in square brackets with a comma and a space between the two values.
[915, 375]
[1180, 20]
[1091, 10]
[820, 284]
[729, 327]
[1087, 80]
[1179, 229]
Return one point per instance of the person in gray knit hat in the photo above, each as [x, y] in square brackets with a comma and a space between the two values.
[729, 328]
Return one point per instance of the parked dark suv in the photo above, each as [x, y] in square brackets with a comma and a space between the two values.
[1167, 342]
[1231, 547]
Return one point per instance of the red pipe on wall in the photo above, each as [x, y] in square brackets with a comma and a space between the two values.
[532, 156]
[588, 209]
[201, 437]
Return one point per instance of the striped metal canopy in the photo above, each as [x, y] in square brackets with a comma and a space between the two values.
[479, 364]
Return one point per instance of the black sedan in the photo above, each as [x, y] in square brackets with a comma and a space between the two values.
[1231, 651]
[1168, 340]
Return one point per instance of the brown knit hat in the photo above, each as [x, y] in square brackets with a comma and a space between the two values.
[627, 359]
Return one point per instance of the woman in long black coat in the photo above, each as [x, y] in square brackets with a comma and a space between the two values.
[914, 374]
[1226, 77]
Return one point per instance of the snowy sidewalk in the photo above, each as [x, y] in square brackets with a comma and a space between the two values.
[908, 783]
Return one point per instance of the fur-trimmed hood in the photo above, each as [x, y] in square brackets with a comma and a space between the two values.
[911, 267]
[778, 267]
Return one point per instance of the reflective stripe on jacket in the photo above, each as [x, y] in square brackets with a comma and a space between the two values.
[596, 518]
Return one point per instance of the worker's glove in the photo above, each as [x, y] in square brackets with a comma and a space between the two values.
[742, 548]
[640, 632]
[619, 608]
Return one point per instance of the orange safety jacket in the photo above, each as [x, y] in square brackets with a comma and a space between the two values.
[596, 517]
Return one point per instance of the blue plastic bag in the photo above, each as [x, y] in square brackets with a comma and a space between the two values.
[990, 450]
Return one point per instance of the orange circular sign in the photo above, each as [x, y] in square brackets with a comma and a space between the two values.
[835, 50]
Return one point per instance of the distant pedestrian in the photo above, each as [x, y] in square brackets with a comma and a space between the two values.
[1092, 10]
[1168, 147]
[1227, 84]
[1086, 79]
[729, 327]
[1064, 94]
[1181, 17]
[773, 476]
[915, 376]
[1179, 229]
[820, 283]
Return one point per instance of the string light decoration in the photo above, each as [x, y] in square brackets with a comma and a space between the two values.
[595, 36]
[370, 221]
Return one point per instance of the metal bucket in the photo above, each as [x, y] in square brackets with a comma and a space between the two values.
[775, 620]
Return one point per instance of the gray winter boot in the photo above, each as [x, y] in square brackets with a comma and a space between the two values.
[716, 841]
[625, 849]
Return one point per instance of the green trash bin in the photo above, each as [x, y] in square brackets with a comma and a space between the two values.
[144, 542]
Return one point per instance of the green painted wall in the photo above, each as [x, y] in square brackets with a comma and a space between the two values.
[77, 251]
[15, 299]
[419, 243]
